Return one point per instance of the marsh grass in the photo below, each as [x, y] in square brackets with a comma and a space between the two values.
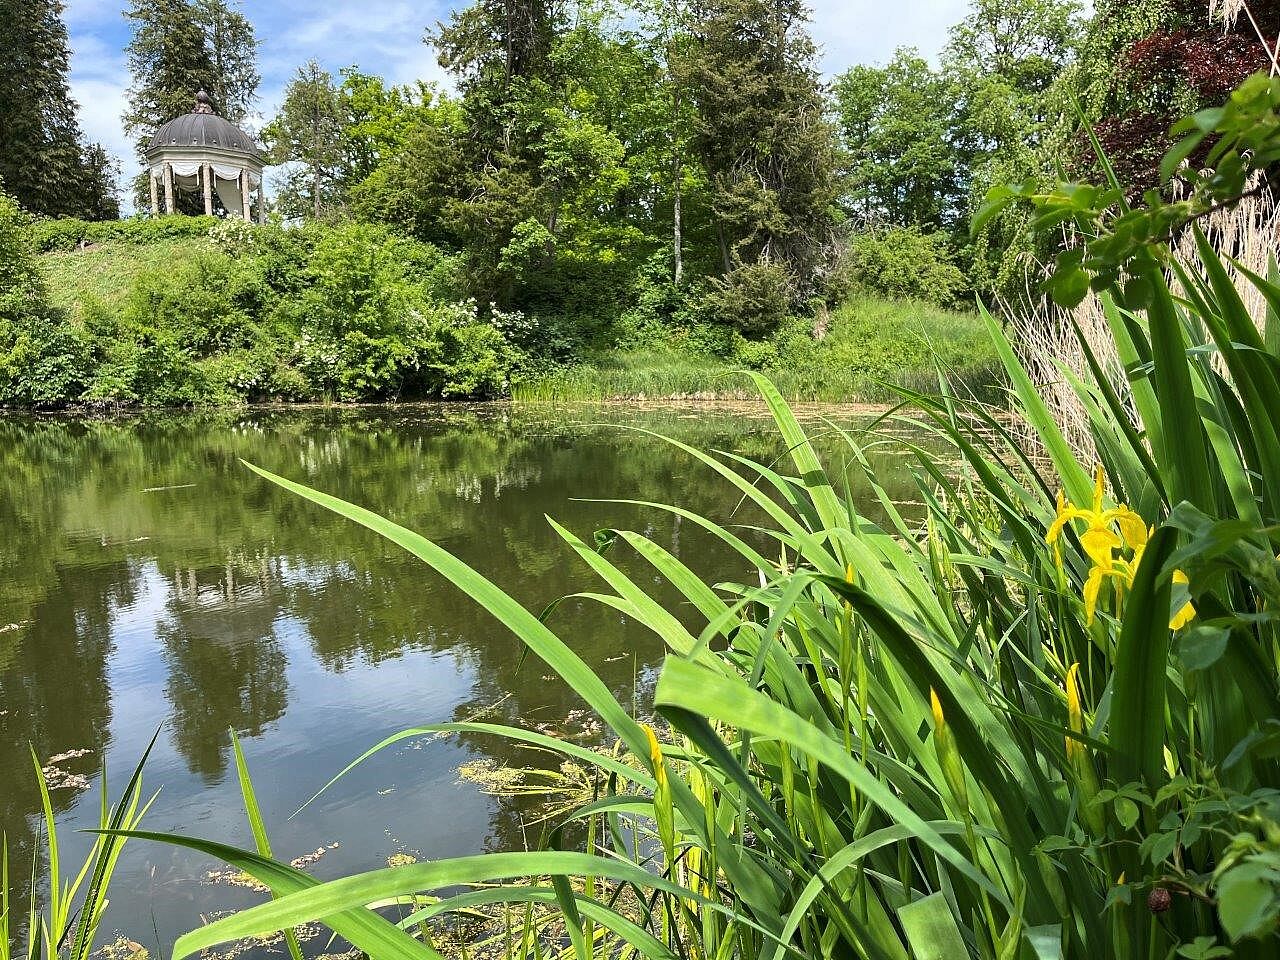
[63, 920]
[868, 348]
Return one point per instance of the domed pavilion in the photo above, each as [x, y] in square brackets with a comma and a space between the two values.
[203, 153]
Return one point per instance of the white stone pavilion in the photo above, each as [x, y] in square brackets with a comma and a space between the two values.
[202, 153]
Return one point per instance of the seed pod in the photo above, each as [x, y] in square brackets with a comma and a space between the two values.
[1159, 900]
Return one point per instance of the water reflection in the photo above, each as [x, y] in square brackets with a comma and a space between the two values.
[149, 579]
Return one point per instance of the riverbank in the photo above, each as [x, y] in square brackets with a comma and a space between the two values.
[186, 322]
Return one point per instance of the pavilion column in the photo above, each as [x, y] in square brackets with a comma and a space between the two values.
[155, 192]
[244, 194]
[206, 173]
[168, 188]
[262, 200]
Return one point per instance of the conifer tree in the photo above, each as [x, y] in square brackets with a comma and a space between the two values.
[768, 149]
[233, 48]
[99, 172]
[170, 60]
[41, 157]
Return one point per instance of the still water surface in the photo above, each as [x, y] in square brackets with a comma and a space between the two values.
[149, 581]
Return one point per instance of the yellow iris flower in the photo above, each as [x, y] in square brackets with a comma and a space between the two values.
[1102, 542]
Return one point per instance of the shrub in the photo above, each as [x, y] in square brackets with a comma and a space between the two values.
[905, 263]
[42, 360]
[346, 311]
[68, 234]
[753, 298]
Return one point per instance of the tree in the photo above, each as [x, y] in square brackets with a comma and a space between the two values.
[308, 134]
[99, 173]
[1145, 64]
[169, 60]
[762, 135]
[233, 49]
[1003, 60]
[42, 160]
[896, 124]
[497, 42]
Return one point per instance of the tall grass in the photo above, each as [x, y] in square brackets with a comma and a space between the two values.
[1043, 723]
[869, 347]
[63, 920]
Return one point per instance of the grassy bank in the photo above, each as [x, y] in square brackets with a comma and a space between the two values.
[106, 273]
[182, 291]
[867, 344]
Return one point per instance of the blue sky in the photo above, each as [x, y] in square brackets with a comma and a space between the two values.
[385, 37]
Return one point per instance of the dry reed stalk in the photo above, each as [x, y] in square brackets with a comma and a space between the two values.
[1047, 343]
[1247, 233]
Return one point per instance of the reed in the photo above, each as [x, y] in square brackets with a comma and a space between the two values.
[63, 920]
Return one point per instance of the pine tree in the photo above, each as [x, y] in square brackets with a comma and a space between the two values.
[41, 161]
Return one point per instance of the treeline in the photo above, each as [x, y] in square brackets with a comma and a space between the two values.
[667, 161]
[614, 175]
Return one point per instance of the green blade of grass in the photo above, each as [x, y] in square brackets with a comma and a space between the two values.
[259, 828]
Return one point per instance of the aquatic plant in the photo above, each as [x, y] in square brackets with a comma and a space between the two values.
[65, 924]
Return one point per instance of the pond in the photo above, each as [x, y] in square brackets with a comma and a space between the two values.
[150, 581]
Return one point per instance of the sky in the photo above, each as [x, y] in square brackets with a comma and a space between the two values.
[384, 37]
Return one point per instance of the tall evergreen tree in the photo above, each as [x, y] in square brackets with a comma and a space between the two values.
[233, 48]
[41, 157]
[100, 198]
[501, 53]
[169, 59]
[768, 149]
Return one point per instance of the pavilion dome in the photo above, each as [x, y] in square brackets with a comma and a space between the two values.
[203, 129]
[203, 153]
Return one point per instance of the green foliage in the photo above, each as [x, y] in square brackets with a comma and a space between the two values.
[40, 358]
[905, 263]
[346, 312]
[924, 145]
[66, 923]
[897, 125]
[309, 133]
[1043, 723]
[179, 47]
[68, 234]
[753, 297]
[766, 145]
[44, 161]
[1119, 241]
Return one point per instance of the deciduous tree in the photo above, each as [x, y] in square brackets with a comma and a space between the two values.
[897, 126]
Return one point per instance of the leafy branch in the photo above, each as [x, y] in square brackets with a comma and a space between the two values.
[1244, 146]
